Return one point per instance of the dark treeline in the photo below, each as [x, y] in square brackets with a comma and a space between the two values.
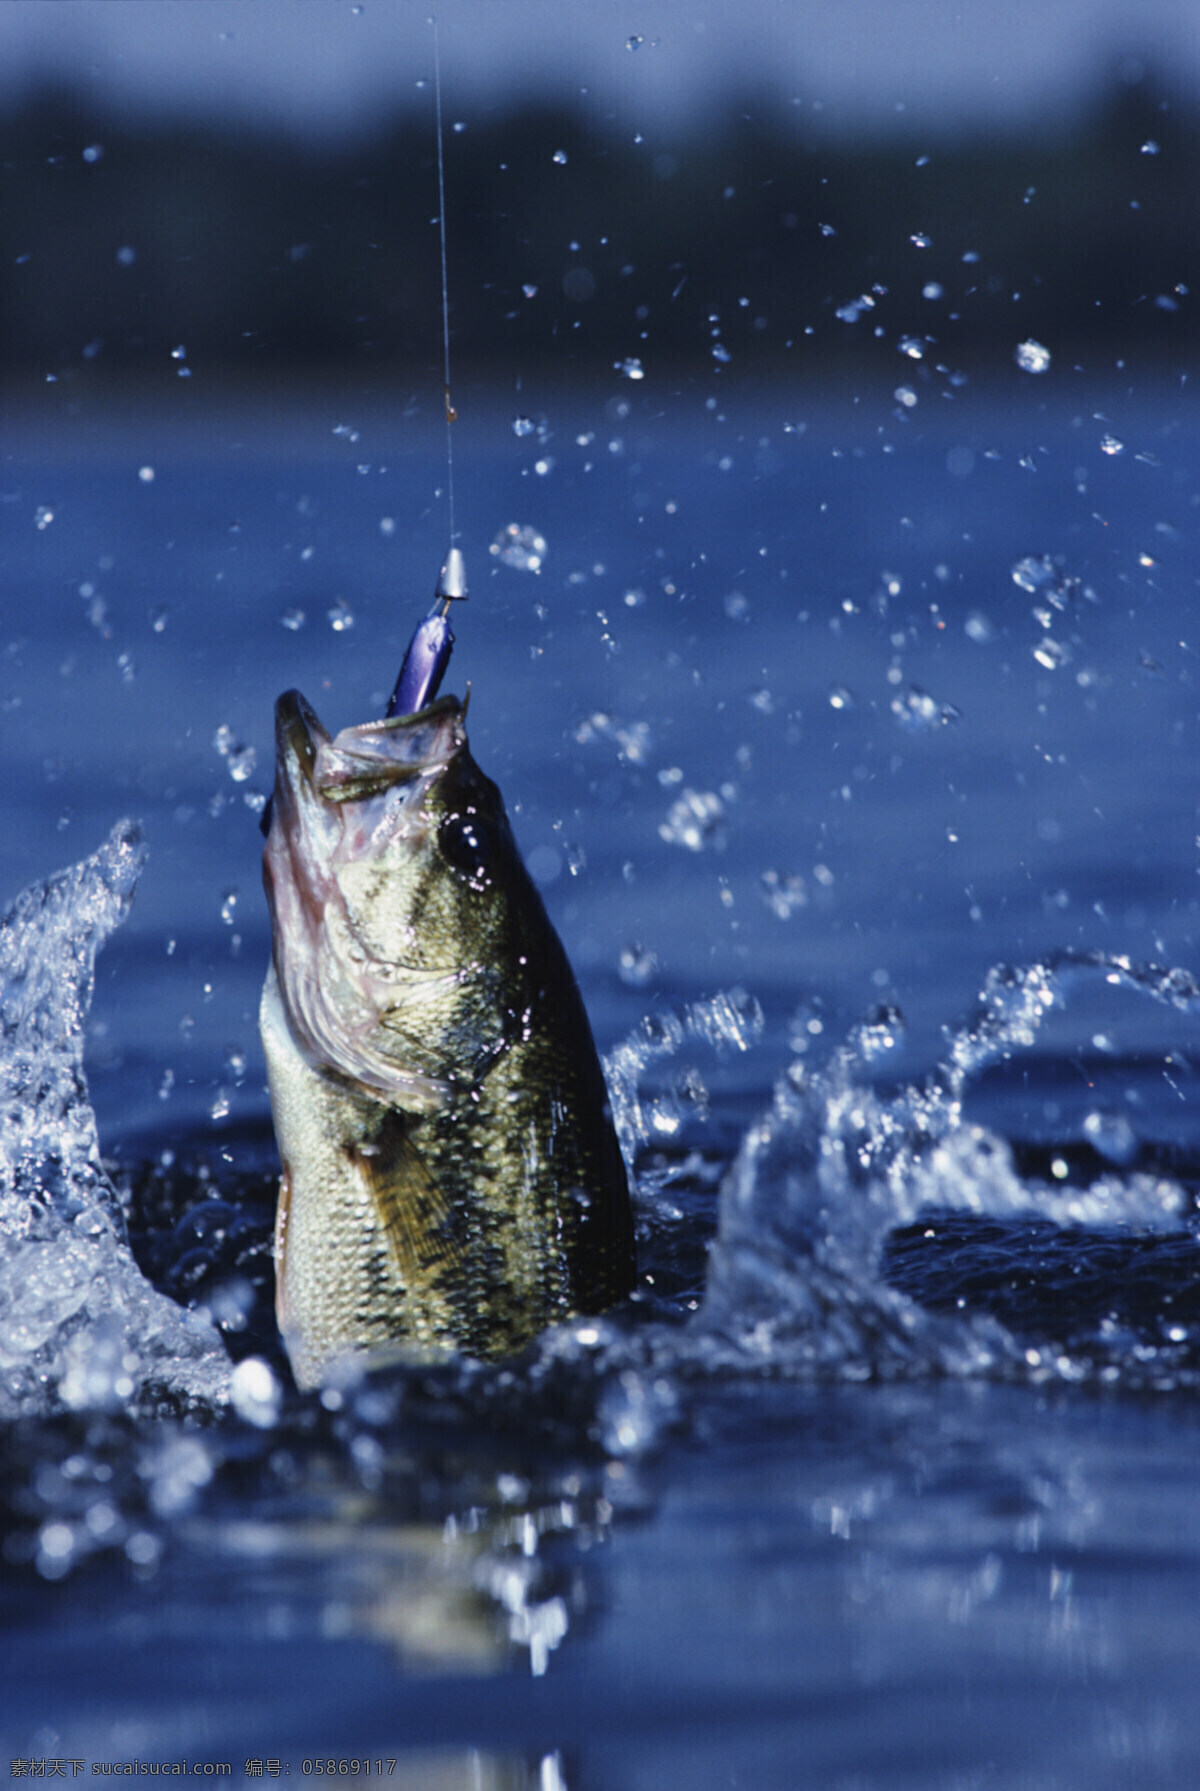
[746, 237]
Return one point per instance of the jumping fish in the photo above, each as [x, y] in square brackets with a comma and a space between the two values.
[451, 1180]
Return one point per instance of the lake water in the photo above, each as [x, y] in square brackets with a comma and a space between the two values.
[853, 743]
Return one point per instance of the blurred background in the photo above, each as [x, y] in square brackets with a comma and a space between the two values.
[255, 180]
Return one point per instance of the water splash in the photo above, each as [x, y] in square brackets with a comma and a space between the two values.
[836, 1166]
[80, 1327]
[797, 1278]
[729, 1022]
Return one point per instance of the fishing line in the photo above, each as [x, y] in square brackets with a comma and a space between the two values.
[451, 413]
[432, 643]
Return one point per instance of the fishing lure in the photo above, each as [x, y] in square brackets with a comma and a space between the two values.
[432, 643]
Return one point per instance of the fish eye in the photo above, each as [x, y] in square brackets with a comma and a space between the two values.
[466, 843]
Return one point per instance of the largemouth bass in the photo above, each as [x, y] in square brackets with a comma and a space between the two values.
[451, 1179]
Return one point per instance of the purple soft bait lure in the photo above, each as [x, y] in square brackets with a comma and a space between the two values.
[432, 643]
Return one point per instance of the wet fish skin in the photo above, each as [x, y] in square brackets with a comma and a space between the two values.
[451, 1178]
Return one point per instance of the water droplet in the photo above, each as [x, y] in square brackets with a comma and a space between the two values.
[146, 475]
[906, 396]
[737, 606]
[828, 230]
[694, 821]
[341, 616]
[97, 610]
[1043, 575]
[529, 289]
[630, 367]
[57, 1546]
[882, 1031]
[841, 698]
[520, 546]
[229, 906]
[635, 42]
[43, 516]
[560, 156]
[919, 713]
[1051, 654]
[158, 617]
[179, 354]
[1149, 147]
[721, 353]
[783, 892]
[913, 347]
[1112, 445]
[143, 1549]
[292, 619]
[240, 759]
[932, 290]
[253, 1389]
[919, 240]
[979, 628]
[94, 152]
[1112, 1136]
[1031, 356]
[636, 965]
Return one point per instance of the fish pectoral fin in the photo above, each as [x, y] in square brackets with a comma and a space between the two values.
[403, 1032]
[393, 1062]
[415, 1215]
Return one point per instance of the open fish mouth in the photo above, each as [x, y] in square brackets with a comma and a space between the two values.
[341, 801]
[364, 760]
[317, 774]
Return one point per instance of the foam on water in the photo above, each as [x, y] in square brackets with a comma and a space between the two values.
[80, 1327]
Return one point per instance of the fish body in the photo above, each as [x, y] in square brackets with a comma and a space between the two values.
[450, 1179]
